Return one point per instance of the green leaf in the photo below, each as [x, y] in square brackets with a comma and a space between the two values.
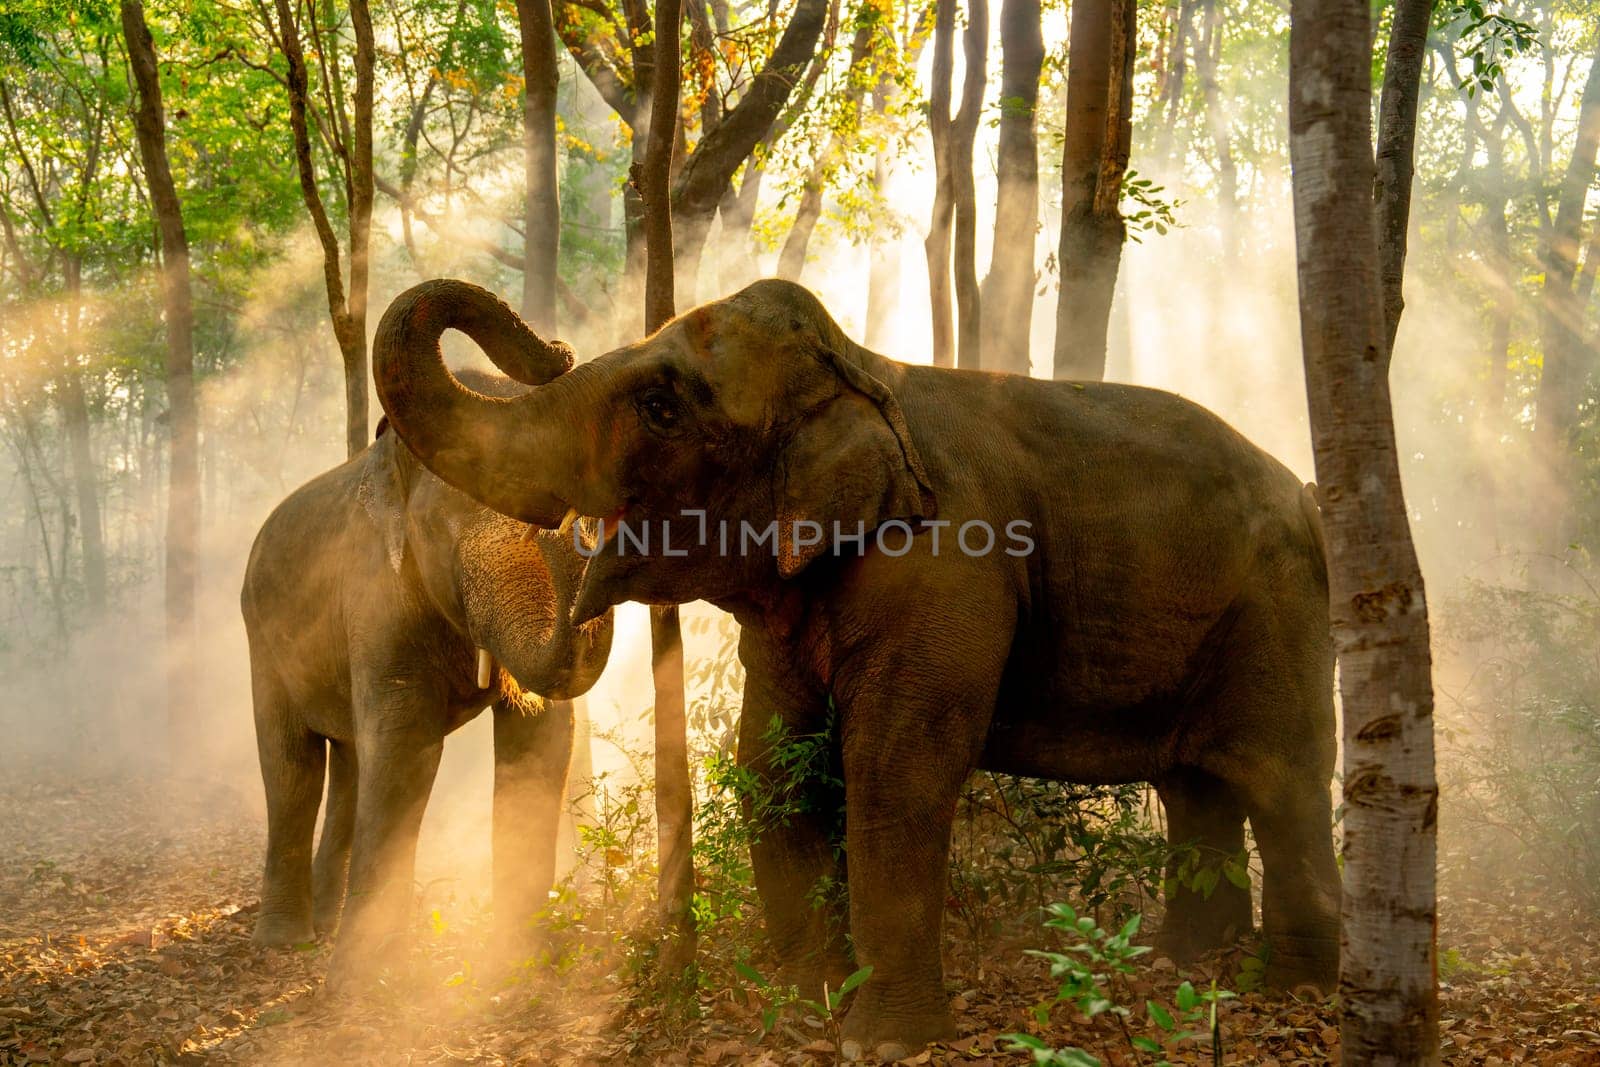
[855, 980]
[1159, 1015]
[1187, 998]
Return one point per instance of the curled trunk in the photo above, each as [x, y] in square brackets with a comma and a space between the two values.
[505, 452]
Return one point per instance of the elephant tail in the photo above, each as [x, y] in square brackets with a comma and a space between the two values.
[1312, 511]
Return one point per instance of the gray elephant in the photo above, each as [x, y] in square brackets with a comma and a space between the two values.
[385, 609]
[1080, 581]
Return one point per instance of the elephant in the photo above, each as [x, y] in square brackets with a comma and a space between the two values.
[384, 609]
[1080, 581]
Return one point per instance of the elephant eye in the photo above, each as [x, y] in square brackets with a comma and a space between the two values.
[660, 409]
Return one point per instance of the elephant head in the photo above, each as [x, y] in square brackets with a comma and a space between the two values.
[753, 412]
[507, 587]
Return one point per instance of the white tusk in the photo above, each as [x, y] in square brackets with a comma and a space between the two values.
[567, 521]
[484, 665]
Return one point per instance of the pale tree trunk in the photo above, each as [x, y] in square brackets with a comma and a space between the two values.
[1170, 97]
[80, 451]
[1397, 136]
[883, 261]
[1008, 288]
[936, 246]
[346, 308]
[1207, 61]
[964, 133]
[1387, 985]
[542, 198]
[674, 797]
[183, 499]
[790, 72]
[1094, 159]
[792, 257]
[1561, 384]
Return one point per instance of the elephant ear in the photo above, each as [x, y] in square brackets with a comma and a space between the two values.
[382, 495]
[851, 461]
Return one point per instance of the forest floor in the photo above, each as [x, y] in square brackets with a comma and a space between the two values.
[125, 918]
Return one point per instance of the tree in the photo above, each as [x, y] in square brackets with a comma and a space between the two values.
[1008, 287]
[1561, 384]
[1389, 1001]
[610, 45]
[792, 257]
[542, 199]
[183, 495]
[674, 796]
[952, 232]
[1094, 159]
[347, 138]
[60, 146]
[1397, 137]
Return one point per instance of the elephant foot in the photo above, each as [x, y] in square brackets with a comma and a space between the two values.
[281, 930]
[868, 1031]
[1298, 964]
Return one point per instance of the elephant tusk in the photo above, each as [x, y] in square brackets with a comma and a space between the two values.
[485, 663]
[567, 521]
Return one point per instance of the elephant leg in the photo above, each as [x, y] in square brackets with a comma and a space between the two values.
[1203, 813]
[399, 742]
[332, 864]
[794, 851]
[901, 791]
[1300, 886]
[531, 754]
[292, 759]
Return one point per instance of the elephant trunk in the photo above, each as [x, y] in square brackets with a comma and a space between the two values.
[507, 453]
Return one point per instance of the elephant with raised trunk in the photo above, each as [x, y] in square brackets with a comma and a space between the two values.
[385, 609]
[1149, 603]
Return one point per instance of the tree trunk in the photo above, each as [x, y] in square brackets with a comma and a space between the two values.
[963, 135]
[1207, 60]
[792, 257]
[1094, 158]
[674, 797]
[883, 257]
[1008, 288]
[542, 203]
[183, 503]
[80, 448]
[1389, 1011]
[1561, 383]
[1397, 137]
[347, 309]
[936, 246]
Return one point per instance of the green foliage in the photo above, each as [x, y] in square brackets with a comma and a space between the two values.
[1149, 206]
[1528, 758]
[1020, 842]
[1091, 970]
[1486, 37]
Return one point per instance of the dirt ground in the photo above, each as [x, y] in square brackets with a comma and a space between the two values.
[125, 916]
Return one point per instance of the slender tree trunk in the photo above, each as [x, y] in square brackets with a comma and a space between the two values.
[1008, 288]
[792, 257]
[1561, 383]
[1389, 1011]
[346, 308]
[1397, 136]
[1094, 158]
[183, 503]
[963, 136]
[883, 256]
[1207, 61]
[936, 246]
[674, 797]
[542, 203]
[80, 450]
